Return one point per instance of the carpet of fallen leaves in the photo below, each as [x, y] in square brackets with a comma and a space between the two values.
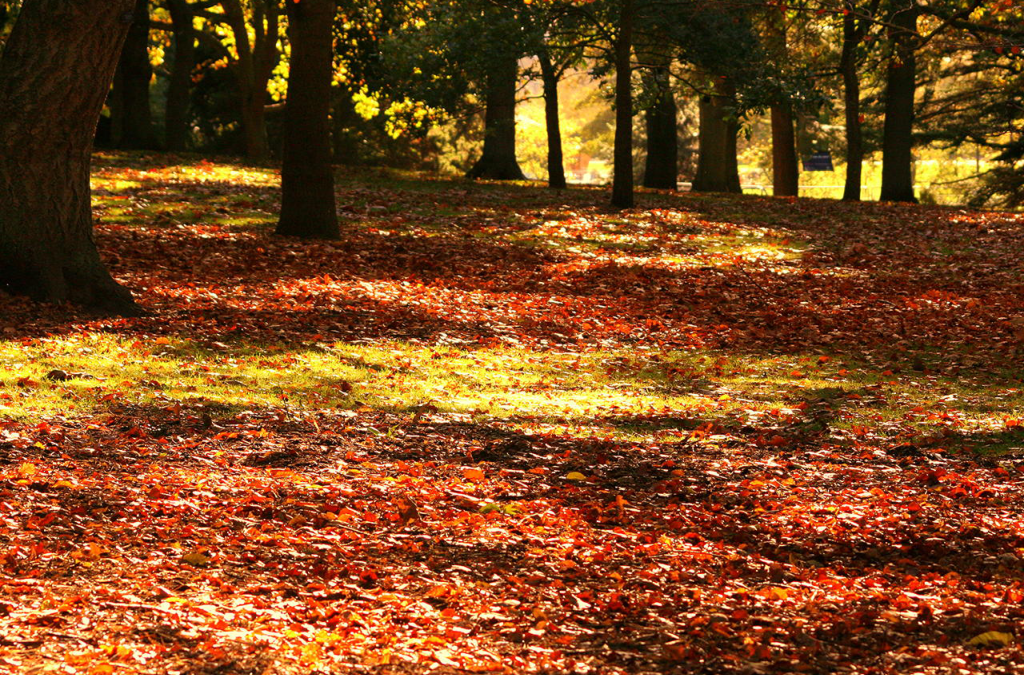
[179, 537]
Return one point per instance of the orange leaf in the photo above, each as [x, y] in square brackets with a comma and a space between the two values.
[473, 474]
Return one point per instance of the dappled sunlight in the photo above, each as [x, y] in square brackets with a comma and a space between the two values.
[736, 427]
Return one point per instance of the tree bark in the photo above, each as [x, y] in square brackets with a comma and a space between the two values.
[55, 74]
[498, 161]
[901, 85]
[661, 167]
[344, 138]
[254, 123]
[851, 96]
[131, 118]
[785, 166]
[717, 169]
[176, 130]
[307, 177]
[622, 181]
[254, 66]
[556, 167]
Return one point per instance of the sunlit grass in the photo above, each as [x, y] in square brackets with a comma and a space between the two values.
[631, 395]
[637, 393]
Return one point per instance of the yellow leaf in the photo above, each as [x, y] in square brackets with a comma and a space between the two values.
[196, 559]
[575, 475]
[310, 654]
[776, 593]
[27, 469]
[992, 638]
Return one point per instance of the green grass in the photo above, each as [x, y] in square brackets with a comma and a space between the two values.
[631, 395]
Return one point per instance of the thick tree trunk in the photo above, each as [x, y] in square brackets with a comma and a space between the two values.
[131, 119]
[661, 168]
[179, 87]
[498, 160]
[901, 85]
[556, 167]
[785, 167]
[622, 180]
[55, 74]
[717, 169]
[851, 96]
[307, 178]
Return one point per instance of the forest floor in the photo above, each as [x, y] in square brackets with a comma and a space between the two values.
[497, 428]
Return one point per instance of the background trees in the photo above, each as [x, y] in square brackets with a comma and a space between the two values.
[421, 85]
[433, 84]
[408, 74]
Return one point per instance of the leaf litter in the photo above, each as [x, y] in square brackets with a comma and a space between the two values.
[805, 454]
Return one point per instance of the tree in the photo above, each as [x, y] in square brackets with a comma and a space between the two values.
[254, 54]
[55, 73]
[176, 127]
[550, 77]
[785, 166]
[661, 165]
[622, 180]
[855, 29]
[131, 118]
[901, 85]
[559, 39]
[453, 54]
[498, 160]
[717, 168]
[975, 98]
[718, 40]
[307, 179]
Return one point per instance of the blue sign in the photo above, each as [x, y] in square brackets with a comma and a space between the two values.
[819, 161]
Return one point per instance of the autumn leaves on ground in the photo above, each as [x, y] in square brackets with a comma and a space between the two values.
[502, 429]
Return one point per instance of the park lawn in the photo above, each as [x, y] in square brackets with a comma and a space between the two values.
[730, 434]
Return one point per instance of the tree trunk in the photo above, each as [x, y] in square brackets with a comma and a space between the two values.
[131, 119]
[498, 160]
[55, 74]
[897, 134]
[785, 167]
[556, 168]
[851, 96]
[344, 138]
[622, 181]
[179, 87]
[717, 169]
[661, 168]
[254, 123]
[307, 178]
[256, 60]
